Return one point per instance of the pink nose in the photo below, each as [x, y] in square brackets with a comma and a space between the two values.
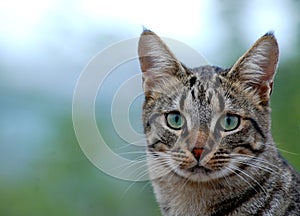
[197, 152]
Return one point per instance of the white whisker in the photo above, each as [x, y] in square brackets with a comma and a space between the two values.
[241, 177]
[249, 176]
[256, 159]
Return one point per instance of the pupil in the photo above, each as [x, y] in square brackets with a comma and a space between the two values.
[177, 119]
[228, 121]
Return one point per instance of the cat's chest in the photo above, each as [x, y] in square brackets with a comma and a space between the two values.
[177, 197]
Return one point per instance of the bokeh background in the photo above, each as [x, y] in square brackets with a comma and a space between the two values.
[45, 45]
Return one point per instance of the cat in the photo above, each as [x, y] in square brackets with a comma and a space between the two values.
[209, 145]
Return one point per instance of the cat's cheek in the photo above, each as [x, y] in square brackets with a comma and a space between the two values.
[183, 158]
[243, 151]
[258, 143]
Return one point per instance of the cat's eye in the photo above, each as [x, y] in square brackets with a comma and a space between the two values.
[175, 120]
[230, 122]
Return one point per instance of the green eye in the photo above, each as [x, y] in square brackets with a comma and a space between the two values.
[175, 120]
[230, 122]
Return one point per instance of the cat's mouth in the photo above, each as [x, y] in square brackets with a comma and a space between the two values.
[199, 173]
[199, 169]
[203, 172]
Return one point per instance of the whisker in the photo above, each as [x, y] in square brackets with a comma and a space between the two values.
[144, 140]
[225, 178]
[165, 171]
[271, 145]
[131, 153]
[249, 176]
[127, 166]
[256, 159]
[241, 177]
[258, 166]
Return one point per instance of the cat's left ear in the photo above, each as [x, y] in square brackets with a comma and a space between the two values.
[159, 65]
[256, 68]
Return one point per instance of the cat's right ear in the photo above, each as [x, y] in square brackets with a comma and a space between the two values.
[159, 65]
[255, 70]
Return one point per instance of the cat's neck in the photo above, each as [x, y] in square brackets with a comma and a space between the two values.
[178, 196]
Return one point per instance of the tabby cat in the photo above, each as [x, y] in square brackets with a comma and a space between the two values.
[210, 149]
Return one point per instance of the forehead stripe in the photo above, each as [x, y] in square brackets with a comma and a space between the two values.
[182, 99]
[193, 81]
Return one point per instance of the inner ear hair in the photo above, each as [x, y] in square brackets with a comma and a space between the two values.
[257, 67]
[159, 65]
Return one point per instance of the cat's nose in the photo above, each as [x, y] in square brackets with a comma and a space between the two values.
[199, 143]
[197, 152]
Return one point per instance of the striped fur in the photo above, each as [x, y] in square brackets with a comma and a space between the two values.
[202, 169]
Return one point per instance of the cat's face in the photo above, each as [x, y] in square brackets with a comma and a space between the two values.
[205, 123]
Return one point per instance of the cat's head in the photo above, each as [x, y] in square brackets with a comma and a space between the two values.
[202, 123]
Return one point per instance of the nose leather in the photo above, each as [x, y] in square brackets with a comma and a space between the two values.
[200, 142]
[197, 152]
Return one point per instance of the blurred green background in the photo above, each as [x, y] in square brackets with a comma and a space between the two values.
[45, 45]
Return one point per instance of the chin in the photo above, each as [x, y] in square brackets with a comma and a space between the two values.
[201, 174]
